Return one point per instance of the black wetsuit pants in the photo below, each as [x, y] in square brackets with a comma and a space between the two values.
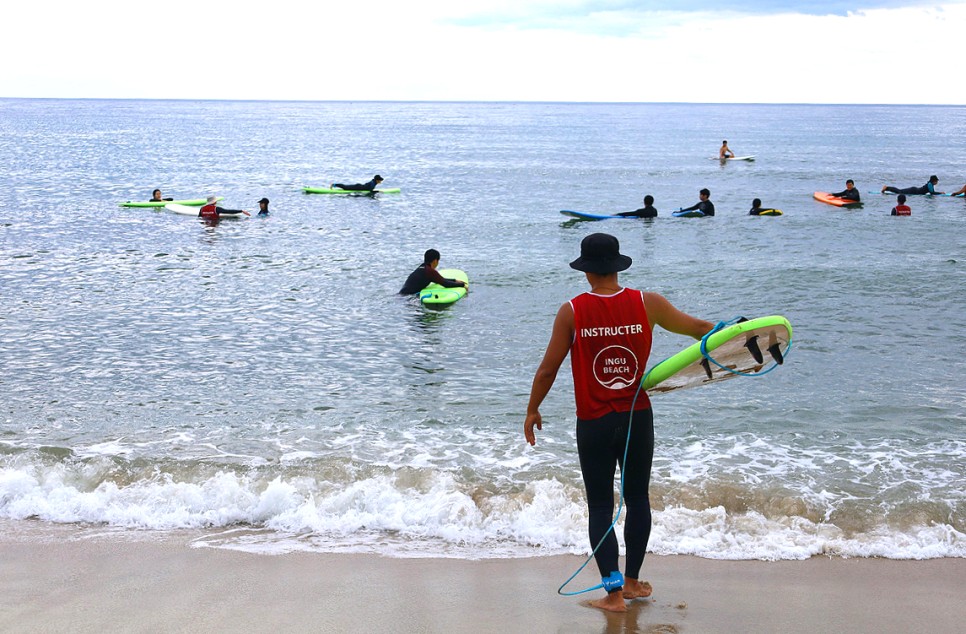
[909, 191]
[600, 446]
[358, 187]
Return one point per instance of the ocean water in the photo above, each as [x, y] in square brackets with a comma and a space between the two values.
[260, 384]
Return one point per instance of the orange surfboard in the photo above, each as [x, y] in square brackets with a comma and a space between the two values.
[834, 200]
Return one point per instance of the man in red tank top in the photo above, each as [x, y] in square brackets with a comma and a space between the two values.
[607, 332]
[902, 209]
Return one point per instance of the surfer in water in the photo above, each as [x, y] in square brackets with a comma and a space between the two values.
[211, 211]
[928, 188]
[607, 333]
[902, 209]
[360, 187]
[756, 208]
[156, 197]
[263, 207]
[704, 204]
[426, 273]
[849, 193]
[647, 211]
[725, 152]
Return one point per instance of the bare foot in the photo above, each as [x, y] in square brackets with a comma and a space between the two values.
[613, 602]
[634, 589]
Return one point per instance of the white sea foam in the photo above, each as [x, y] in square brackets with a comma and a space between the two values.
[431, 513]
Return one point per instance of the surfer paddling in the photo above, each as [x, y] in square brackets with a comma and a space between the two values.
[607, 333]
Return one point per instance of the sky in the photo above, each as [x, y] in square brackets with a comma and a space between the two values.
[752, 51]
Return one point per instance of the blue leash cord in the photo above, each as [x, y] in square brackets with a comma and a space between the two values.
[630, 419]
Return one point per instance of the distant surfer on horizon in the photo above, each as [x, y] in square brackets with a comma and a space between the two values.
[607, 333]
[360, 187]
[426, 273]
[647, 211]
[849, 193]
[704, 204]
[929, 188]
[725, 152]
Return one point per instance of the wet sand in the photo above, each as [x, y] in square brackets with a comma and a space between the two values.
[117, 583]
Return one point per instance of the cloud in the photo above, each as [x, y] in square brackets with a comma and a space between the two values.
[527, 50]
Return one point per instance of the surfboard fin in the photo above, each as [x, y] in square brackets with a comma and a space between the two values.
[752, 345]
[776, 353]
[707, 367]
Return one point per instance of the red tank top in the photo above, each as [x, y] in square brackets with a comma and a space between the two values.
[209, 211]
[612, 341]
[902, 210]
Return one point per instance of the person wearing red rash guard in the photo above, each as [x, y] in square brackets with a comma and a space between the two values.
[607, 332]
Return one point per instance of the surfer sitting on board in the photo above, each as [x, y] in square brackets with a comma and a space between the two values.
[704, 205]
[928, 188]
[725, 152]
[850, 192]
[426, 273]
[607, 333]
[648, 211]
[360, 187]
[156, 197]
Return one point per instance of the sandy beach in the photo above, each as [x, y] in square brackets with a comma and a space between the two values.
[57, 582]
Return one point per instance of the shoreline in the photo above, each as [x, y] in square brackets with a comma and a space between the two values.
[115, 583]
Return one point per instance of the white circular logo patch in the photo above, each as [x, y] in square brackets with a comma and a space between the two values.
[615, 367]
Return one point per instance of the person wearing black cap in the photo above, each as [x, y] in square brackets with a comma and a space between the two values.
[426, 273]
[928, 188]
[607, 332]
[360, 187]
[263, 207]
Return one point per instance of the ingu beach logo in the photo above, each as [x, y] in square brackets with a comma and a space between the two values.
[615, 367]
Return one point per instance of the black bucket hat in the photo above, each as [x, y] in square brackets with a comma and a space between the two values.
[600, 254]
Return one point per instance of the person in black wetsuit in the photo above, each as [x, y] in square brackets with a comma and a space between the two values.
[648, 211]
[156, 197]
[360, 187]
[849, 193]
[757, 209]
[705, 205]
[928, 188]
[426, 273]
[263, 207]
